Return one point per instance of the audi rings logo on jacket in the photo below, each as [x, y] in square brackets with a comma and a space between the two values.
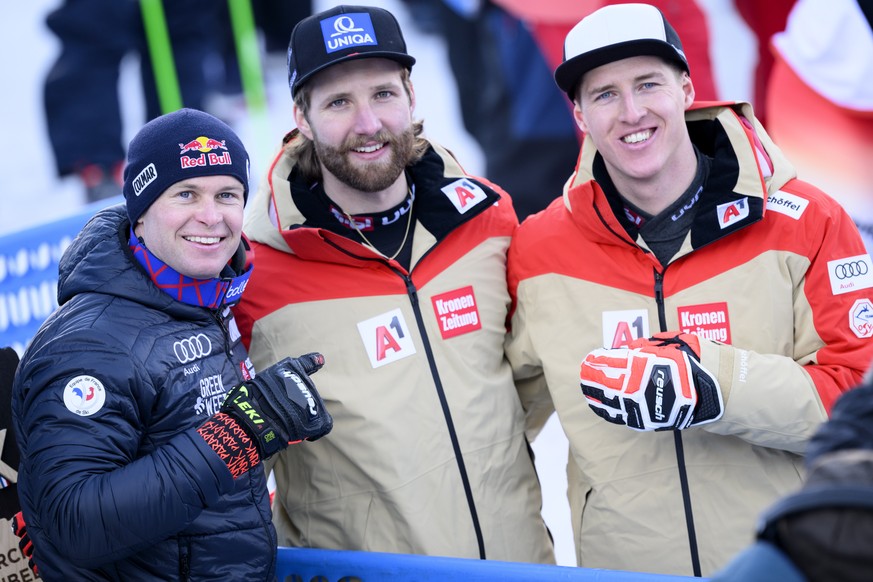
[193, 348]
[851, 269]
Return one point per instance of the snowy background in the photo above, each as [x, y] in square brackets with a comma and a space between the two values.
[31, 194]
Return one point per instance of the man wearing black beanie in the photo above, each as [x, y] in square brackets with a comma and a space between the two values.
[136, 407]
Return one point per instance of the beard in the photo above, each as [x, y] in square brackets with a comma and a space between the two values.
[368, 176]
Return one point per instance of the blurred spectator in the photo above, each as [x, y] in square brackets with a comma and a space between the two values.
[275, 21]
[502, 54]
[820, 100]
[82, 108]
[821, 533]
[764, 19]
[551, 20]
[509, 103]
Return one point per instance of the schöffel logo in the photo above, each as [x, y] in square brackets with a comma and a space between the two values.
[348, 30]
[850, 274]
[787, 204]
[193, 348]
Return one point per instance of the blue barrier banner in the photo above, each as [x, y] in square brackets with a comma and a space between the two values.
[313, 565]
[29, 274]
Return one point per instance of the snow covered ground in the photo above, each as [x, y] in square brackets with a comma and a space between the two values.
[30, 193]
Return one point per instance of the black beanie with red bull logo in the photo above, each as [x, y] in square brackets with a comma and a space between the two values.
[182, 144]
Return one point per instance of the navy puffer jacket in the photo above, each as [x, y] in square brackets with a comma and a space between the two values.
[115, 483]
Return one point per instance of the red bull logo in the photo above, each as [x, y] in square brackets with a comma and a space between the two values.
[202, 144]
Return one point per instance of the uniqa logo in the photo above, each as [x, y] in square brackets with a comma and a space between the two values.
[345, 25]
[348, 33]
[192, 348]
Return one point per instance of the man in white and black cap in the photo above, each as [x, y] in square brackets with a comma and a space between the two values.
[718, 306]
[373, 244]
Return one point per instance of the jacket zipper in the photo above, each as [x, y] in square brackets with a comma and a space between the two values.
[184, 560]
[228, 350]
[677, 440]
[412, 292]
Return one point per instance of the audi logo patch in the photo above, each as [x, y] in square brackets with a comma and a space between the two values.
[193, 348]
[851, 269]
[850, 274]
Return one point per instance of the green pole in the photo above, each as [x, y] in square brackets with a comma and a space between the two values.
[161, 53]
[247, 53]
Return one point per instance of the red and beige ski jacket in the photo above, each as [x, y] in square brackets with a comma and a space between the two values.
[428, 452]
[774, 279]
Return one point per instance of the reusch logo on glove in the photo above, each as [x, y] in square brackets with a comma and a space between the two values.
[663, 397]
[303, 390]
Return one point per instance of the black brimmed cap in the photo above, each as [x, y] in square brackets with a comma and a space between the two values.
[341, 34]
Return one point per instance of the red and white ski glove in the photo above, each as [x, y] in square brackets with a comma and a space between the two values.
[652, 384]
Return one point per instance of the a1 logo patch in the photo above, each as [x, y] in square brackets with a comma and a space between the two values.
[464, 194]
[386, 338]
[732, 212]
[622, 327]
[456, 312]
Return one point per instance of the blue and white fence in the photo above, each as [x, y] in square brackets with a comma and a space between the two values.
[29, 274]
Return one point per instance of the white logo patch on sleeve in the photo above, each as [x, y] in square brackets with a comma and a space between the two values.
[850, 274]
[84, 395]
[464, 194]
[787, 204]
[861, 318]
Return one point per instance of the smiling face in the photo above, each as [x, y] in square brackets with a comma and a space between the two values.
[360, 120]
[633, 110]
[195, 225]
